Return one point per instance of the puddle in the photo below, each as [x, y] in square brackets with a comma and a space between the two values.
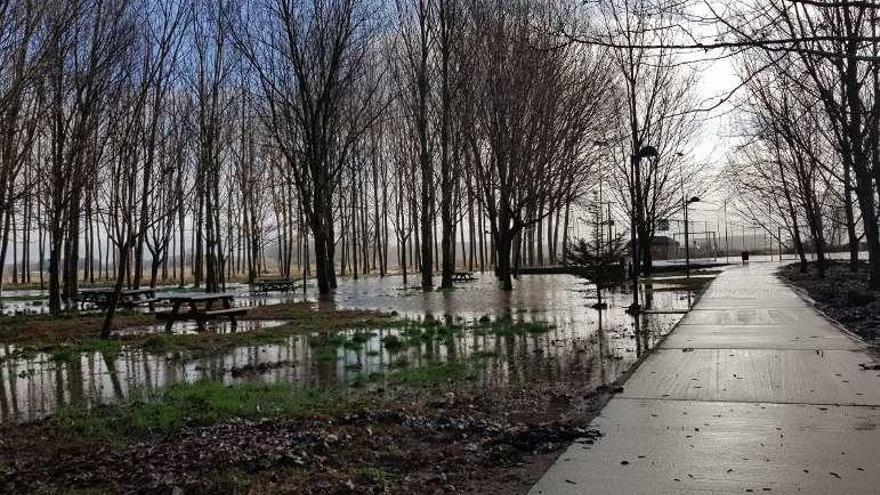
[598, 347]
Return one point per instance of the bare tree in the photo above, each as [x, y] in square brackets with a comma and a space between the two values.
[537, 110]
[312, 64]
[657, 110]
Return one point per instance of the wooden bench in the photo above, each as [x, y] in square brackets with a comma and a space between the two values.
[201, 308]
[273, 285]
[463, 277]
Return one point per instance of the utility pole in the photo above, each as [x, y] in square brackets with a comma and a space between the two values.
[687, 245]
[634, 166]
[610, 223]
[726, 239]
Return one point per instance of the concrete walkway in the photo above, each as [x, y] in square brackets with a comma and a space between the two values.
[754, 392]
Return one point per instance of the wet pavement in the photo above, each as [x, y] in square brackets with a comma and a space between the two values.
[599, 347]
[754, 392]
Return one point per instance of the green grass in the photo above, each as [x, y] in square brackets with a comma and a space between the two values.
[392, 343]
[322, 341]
[485, 354]
[164, 413]
[435, 373]
[509, 328]
[202, 403]
[175, 408]
[362, 337]
[72, 352]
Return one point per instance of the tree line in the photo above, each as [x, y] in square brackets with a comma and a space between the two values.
[197, 141]
[809, 165]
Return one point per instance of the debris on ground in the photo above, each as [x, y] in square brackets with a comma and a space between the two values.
[476, 441]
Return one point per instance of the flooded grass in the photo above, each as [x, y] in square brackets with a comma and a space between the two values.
[546, 328]
[464, 381]
[185, 405]
[257, 438]
[195, 404]
[509, 327]
[67, 337]
[436, 373]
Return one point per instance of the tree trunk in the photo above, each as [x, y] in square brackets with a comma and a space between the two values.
[117, 291]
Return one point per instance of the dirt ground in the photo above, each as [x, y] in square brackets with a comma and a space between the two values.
[461, 439]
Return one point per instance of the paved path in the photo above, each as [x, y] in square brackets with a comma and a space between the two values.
[754, 392]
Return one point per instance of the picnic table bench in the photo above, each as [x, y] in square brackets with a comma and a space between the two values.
[201, 308]
[277, 284]
[463, 277]
[129, 298]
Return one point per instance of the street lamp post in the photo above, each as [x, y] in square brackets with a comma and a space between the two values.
[635, 160]
[610, 223]
[687, 246]
[726, 240]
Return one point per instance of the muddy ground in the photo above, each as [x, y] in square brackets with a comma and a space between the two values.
[462, 438]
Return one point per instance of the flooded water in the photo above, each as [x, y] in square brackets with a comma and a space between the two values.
[596, 346]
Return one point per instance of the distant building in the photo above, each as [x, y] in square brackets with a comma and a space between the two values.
[664, 248]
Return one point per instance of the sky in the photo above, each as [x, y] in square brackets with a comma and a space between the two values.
[718, 81]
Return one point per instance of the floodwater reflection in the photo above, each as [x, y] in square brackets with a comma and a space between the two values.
[580, 342]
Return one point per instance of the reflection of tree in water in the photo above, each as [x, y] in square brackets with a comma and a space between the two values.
[110, 365]
[73, 379]
[649, 296]
[5, 411]
[577, 346]
[600, 333]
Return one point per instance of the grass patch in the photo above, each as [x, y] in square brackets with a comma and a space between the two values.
[198, 404]
[170, 410]
[485, 354]
[72, 352]
[362, 337]
[508, 328]
[352, 345]
[435, 373]
[392, 343]
[324, 341]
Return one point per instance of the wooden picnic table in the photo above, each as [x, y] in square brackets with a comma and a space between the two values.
[128, 298]
[463, 277]
[274, 284]
[202, 307]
